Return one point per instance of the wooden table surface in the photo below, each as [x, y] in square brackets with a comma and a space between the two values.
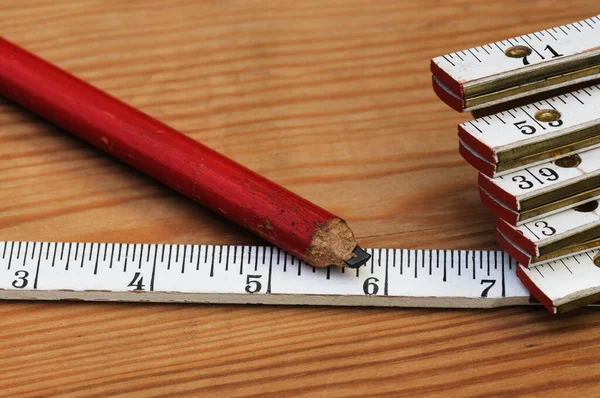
[332, 99]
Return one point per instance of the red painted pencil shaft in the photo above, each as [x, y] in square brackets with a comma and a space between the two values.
[265, 208]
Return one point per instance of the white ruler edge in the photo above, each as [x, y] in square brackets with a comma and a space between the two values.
[558, 226]
[518, 127]
[566, 280]
[535, 180]
[488, 62]
[538, 217]
[550, 261]
[255, 275]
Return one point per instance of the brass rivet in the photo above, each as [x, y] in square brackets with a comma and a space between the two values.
[568, 161]
[597, 259]
[547, 115]
[587, 207]
[517, 52]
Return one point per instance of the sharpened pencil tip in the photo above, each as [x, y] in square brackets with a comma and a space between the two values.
[360, 258]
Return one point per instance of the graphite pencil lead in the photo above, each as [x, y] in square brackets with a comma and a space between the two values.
[360, 258]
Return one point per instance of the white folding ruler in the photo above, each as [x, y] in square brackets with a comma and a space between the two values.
[493, 73]
[565, 284]
[545, 189]
[522, 137]
[255, 275]
[553, 237]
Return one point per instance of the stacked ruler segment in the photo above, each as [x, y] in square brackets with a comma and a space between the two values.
[241, 274]
[518, 127]
[558, 226]
[487, 62]
[534, 180]
[533, 252]
[572, 281]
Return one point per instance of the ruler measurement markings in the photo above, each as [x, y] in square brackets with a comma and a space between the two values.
[539, 271]
[200, 256]
[551, 35]
[430, 261]
[578, 100]
[372, 262]
[183, 259]
[445, 268]
[153, 274]
[333, 279]
[141, 255]
[69, 257]
[212, 263]
[256, 259]
[450, 62]
[91, 252]
[83, 255]
[168, 257]
[532, 47]
[550, 105]
[474, 126]
[12, 244]
[474, 56]
[386, 279]
[112, 254]
[97, 259]
[503, 277]
[25, 256]
[270, 271]
[242, 261]
[37, 268]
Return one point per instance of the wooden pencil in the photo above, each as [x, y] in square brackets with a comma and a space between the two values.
[278, 215]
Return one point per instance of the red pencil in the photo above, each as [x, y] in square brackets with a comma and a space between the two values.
[265, 208]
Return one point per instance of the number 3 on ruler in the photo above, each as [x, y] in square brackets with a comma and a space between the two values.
[21, 281]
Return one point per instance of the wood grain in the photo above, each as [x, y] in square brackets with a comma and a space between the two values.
[330, 98]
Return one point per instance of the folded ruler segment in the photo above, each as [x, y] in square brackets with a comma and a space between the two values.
[254, 275]
[552, 237]
[546, 188]
[564, 284]
[513, 68]
[507, 141]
